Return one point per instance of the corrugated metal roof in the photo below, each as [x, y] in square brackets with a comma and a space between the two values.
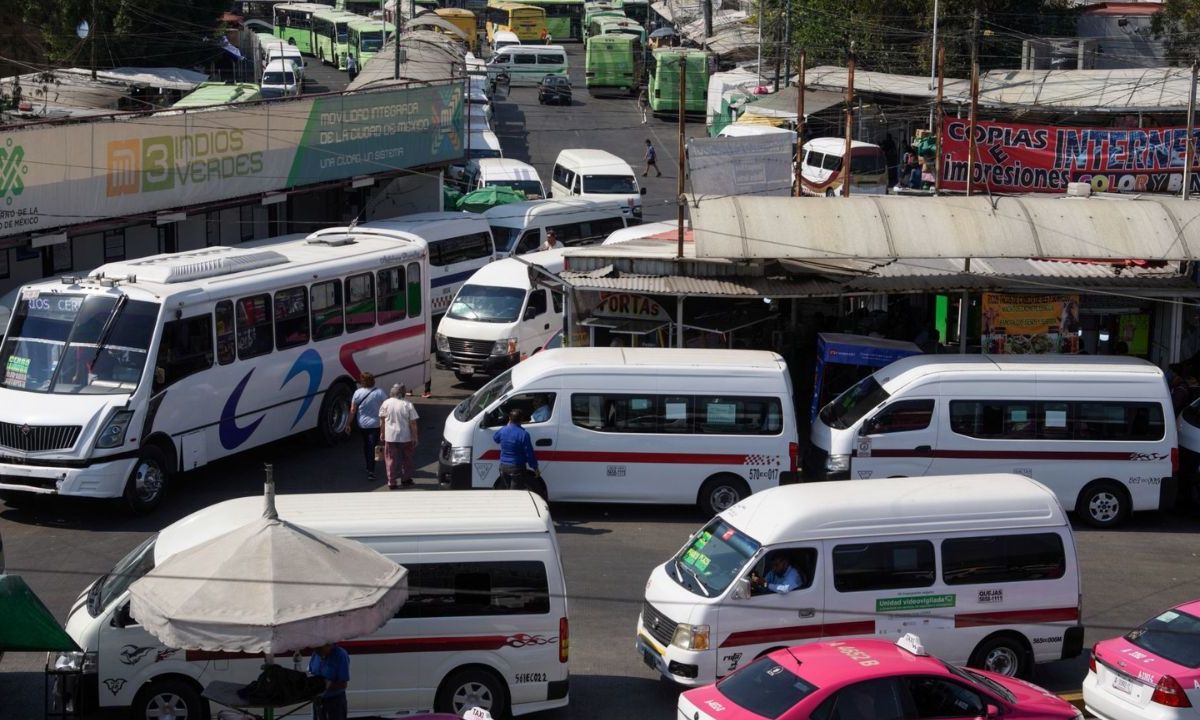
[1106, 228]
[429, 56]
[709, 287]
[832, 77]
[783, 103]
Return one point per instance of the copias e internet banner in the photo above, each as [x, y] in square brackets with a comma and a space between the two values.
[1011, 157]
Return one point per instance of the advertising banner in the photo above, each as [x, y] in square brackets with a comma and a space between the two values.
[1030, 324]
[69, 174]
[752, 165]
[1012, 157]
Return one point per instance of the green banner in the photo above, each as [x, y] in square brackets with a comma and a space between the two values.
[914, 602]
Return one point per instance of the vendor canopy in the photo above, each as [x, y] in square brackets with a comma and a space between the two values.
[1101, 228]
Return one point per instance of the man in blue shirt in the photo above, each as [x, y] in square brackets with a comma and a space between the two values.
[541, 411]
[332, 664]
[781, 578]
[516, 451]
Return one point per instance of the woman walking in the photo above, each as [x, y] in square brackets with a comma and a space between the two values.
[364, 408]
[399, 420]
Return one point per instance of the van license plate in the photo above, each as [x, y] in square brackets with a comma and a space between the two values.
[1120, 683]
[466, 369]
[648, 658]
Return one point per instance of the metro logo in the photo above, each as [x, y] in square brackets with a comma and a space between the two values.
[158, 163]
[12, 167]
[167, 162]
[124, 167]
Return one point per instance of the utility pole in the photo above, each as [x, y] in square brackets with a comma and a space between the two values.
[1190, 154]
[939, 115]
[760, 39]
[846, 174]
[933, 57]
[680, 200]
[787, 42]
[974, 103]
[95, 32]
[800, 90]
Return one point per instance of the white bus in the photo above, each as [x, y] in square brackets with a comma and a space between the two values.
[459, 244]
[116, 381]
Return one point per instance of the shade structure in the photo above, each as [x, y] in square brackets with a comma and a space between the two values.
[489, 197]
[663, 32]
[27, 625]
[268, 587]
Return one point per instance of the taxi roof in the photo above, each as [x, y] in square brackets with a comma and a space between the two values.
[828, 663]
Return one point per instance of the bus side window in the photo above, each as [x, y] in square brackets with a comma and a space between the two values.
[326, 302]
[391, 295]
[414, 290]
[360, 302]
[291, 318]
[225, 335]
[254, 326]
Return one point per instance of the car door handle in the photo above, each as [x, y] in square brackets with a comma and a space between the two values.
[923, 448]
[806, 612]
[544, 442]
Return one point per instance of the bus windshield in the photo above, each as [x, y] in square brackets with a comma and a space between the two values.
[485, 303]
[77, 344]
[370, 41]
[847, 408]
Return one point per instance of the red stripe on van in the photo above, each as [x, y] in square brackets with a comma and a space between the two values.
[799, 632]
[1016, 617]
[347, 351]
[629, 457]
[1006, 454]
[382, 646]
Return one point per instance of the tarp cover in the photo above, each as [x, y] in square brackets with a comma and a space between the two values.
[27, 625]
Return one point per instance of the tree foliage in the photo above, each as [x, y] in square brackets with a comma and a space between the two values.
[146, 33]
[1177, 24]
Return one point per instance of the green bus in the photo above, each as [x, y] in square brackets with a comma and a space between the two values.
[360, 7]
[663, 88]
[365, 38]
[331, 33]
[608, 25]
[219, 93]
[613, 61]
[293, 24]
[636, 10]
[564, 18]
[596, 10]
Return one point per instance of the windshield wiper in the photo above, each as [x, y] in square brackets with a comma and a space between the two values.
[108, 327]
[695, 576]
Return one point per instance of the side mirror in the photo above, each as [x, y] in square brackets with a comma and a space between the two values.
[643, 191]
[992, 712]
[121, 617]
[870, 427]
[741, 589]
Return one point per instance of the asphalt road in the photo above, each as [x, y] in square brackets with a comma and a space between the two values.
[59, 547]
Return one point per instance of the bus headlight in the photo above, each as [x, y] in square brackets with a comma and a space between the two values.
[837, 463]
[443, 343]
[460, 455]
[505, 346]
[113, 434]
[690, 637]
[76, 662]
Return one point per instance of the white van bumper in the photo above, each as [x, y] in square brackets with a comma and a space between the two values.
[97, 480]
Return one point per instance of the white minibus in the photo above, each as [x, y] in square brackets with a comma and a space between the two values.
[503, 172]
[485, 622]
[279, 79]
[1189, 454]
[821, 167]
[520, 228]
[502, 39]
[1093, 429]
[597, 175]
[459, 244]
[636, 425]
[499, 316]
[528, 64]
[149, 367]
[983, 567]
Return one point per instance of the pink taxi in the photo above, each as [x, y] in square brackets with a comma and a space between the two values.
[1151, 673]
[867, 680]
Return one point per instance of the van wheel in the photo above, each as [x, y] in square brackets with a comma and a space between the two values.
[829, 192]
[721, 492]
[1003, 655]
[168, 699]
[1102, 504]
[472, 687]
[334, 418]
[147, 483]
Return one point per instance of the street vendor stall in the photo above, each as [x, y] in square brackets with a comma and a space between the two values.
[843, 360]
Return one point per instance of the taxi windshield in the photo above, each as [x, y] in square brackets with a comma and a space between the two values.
[713, 559]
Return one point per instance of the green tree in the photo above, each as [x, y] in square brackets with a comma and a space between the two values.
[1177, 24]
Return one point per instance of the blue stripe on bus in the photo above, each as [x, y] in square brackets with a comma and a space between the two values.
[451, 279]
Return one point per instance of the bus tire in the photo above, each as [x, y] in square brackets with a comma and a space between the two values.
[1004, 654]
[1103, 504]
[334, 419]
[169, 697]
[147, 483]
[472, 687]
[721, 492]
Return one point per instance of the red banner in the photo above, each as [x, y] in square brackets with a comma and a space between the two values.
[1011, 157]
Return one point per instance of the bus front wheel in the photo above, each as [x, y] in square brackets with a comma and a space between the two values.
[147, 482]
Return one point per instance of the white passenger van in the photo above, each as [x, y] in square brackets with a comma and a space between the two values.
[821, 167]
[1093, 429]
[520, 228]
[597, 175]
[636, 425]
[503, 172]
[1189, 453]
[528, 64]
[459, 244]
[145, 368]
[279, 79]
[485, 620]
[500, 316]
[982, 566]
[504, 38]
[480, 144]
[279, 50]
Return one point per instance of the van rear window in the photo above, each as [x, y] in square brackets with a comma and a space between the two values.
[1003, 558]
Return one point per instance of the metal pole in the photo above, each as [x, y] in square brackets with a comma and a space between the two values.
[800, 91]
[679, 321]
[974, 104]
[933, 57]
[760, 24]
[940, 113]
[846, 175]
[95, 30]
[1190, 154]
[679, 201]
[787, 42]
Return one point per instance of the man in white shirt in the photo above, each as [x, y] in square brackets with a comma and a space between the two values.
[399, 420]
[552, 242]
